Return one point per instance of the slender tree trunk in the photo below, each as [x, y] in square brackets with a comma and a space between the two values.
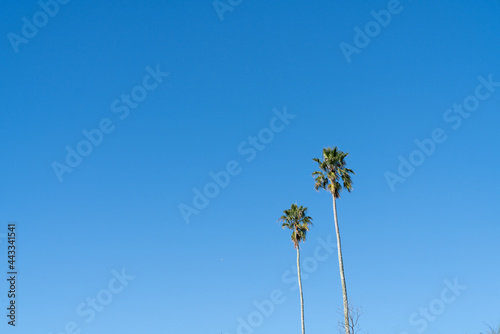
[341, 266]
[301, 296]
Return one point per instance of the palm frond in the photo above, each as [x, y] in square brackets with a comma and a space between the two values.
[298, 221]
[332, 171]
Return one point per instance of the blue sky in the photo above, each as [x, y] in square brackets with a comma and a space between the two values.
[110, 228]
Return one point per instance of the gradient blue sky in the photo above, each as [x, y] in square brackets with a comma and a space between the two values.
[120, 207]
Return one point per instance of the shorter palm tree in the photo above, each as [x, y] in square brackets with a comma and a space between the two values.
[298, 221]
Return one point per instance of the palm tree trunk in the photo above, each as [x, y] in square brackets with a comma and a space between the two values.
[341, 265]
[300, 288]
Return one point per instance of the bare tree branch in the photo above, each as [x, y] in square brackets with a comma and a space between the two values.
[492, 330]
[354, 314]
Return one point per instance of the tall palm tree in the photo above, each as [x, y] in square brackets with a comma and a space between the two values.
[298, 221]
[333, 176]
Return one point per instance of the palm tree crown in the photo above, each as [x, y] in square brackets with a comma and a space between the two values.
[298, 221]
[333, 171]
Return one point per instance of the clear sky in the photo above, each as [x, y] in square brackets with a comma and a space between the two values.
[117, 115]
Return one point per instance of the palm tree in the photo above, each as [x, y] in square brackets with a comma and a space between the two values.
[298, 221]
[333, 176]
